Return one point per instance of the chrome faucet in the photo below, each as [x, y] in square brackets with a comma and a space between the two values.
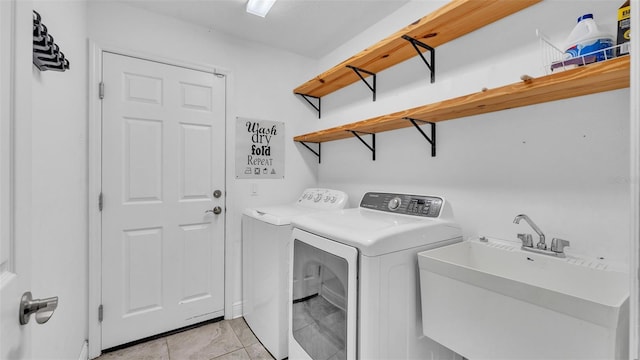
[541, 244]
[558, 245]
[527, 240]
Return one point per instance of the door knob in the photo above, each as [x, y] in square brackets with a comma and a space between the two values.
[216, 210]
[43, 308]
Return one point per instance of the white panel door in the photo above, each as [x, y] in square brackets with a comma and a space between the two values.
[163, 158]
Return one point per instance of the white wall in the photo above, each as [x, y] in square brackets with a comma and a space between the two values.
[59, 190]
[565, 163]
[259, 87]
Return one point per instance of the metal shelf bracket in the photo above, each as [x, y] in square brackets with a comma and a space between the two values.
[371, 147]
[432, 64]
[359, 72]
[432, 139]
[316, 153]
[317, 107]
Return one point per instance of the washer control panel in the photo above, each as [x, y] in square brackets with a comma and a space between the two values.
[417, 205]
[323, 198]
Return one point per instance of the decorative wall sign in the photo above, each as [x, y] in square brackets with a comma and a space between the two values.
[259, 149]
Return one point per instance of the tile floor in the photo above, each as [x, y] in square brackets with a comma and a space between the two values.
[320, 328]
[222, 340]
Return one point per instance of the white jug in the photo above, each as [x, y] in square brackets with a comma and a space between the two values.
[587, 39]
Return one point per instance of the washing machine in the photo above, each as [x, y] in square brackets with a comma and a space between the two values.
[367, 301]
[266, 233]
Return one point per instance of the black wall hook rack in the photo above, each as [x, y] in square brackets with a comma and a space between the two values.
[430, 65]
[317, 107]
[316, 153]
[359, 72]
[432, 139]
[46, 53]
[371, 147]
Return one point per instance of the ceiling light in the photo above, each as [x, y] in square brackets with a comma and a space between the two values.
[259, 7]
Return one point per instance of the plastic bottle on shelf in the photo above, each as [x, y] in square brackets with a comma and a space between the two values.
[588, 41]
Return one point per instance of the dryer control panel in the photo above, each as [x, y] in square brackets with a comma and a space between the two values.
[417, 205]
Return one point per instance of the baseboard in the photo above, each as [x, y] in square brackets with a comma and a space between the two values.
[84, 352]
[237, 310]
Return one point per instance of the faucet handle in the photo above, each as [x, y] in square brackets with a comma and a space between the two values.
[527, 240]
[558, 245]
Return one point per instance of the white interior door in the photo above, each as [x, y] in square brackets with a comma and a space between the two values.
[163, 152]
[15, 259]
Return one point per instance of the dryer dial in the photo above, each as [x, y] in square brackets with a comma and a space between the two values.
[394, 203]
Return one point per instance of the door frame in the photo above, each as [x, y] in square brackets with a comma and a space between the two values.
[634, 241]
[7, 41]
[17, 107]
[95, 181]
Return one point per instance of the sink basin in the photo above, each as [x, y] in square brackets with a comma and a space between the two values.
[493, 300]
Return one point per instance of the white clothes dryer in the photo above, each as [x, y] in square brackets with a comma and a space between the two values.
[367, 304]
[266, 234]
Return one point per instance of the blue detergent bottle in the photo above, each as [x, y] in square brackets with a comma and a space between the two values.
[586, 39]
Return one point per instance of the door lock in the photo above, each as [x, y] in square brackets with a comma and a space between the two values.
[216, 210]
[43, 308]
[217, 194]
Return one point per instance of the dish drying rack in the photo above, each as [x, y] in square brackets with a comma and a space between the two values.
[554, 59]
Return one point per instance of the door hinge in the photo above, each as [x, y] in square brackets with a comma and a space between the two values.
[100, 313]
[101, 90]
[100, 202]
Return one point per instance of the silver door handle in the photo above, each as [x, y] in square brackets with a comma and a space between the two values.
[43, 308]
[216, 210]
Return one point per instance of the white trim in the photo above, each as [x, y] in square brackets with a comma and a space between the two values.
[236, 311]
[634, 241]
[84, 351]
[229, 287]
[160, 59]
[95, 186]
[7, 67]
[94, 218]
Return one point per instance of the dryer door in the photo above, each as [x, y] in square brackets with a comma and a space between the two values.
[323, 324]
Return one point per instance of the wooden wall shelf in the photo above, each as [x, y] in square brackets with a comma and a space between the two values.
[457, 18]
[590, 79]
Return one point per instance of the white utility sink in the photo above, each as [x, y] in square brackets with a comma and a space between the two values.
[492, 300]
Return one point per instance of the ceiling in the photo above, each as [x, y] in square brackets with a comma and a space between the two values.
[311, 28]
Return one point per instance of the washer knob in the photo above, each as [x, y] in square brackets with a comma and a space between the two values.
[394, 203]
[317, 198]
